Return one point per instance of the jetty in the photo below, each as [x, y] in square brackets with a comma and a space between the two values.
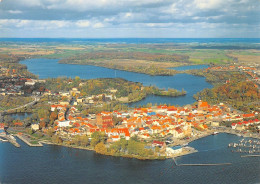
[28, 143]
[250, 155]
[210, 164]
[216, 164]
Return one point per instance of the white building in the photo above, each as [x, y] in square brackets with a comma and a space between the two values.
[64, 123]
[173, 150]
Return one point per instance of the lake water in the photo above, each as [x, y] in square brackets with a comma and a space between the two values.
[20, 115]
[190, 67]
[56, 164]
[45, 68]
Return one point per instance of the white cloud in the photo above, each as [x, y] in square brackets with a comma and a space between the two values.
[34, 24]
[125, 15]
[209, 4]
[161, 25]
[110, 19]
[83, 23]
[22, 23]
[128, 14]
[30, 3]
[98, 25]
[15, 11]
[83, 5]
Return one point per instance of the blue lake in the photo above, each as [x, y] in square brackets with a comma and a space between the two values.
[50, 68]
[56, 164]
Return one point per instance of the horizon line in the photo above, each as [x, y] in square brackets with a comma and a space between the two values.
[130, 37]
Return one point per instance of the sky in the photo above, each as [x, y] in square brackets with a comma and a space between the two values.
[130, 18]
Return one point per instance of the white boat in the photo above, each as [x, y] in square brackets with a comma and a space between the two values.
[215, 133]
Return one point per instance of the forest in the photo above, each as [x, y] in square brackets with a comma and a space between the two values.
[241, 95]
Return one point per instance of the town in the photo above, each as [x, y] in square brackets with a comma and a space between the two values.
[95, 114]
[163, 126]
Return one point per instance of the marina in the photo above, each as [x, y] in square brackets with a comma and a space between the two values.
[245, 146]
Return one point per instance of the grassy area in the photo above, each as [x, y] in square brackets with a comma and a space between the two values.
[34, 142]
[196, 55]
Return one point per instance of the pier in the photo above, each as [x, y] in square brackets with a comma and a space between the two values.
[250, 155]
[205, 164]
[211, 164]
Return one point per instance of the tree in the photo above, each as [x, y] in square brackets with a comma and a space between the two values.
[42, 124]
[101, 148]
[97, 137]
[54, 115]
[84, 141]
[56, 139]
[77, 79]
[123, 143]
[50, 132]
[29, 131]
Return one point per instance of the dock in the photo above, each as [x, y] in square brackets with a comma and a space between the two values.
[250, 155]
[216, 164]
[28, 143]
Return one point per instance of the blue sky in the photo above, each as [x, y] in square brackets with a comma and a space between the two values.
[130, 18]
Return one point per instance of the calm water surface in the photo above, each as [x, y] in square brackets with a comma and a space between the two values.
[56, 164]
[45, 68]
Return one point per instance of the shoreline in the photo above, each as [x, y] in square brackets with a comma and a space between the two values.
[187, 149]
